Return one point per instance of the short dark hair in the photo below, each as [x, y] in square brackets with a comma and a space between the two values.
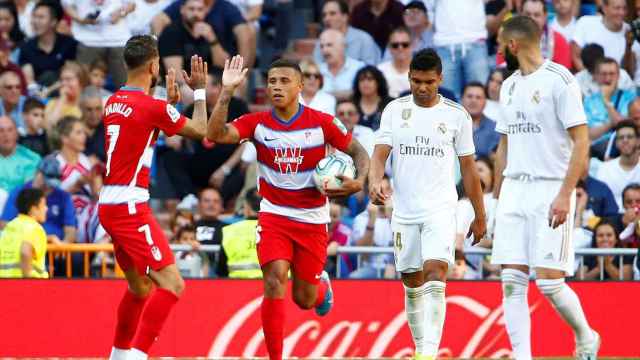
[31, 104]
[603, 61]
[139, 49]
[285, 63]
[184, 229]
[632, 186]
[627, 124]
[27, 199]
[426, 60]
[54, 8]
[590, 54]
[342, 5]
[604, 222]
[522, 27]
[541, 2]
[472, 84]
[253, 198]
[346, 101]
[62, 128]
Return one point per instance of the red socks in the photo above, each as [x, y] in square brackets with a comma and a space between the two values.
[128, 318]
[322, 292]
[158, 308]
[272, 312]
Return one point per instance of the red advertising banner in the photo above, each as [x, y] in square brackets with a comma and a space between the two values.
[217, 318]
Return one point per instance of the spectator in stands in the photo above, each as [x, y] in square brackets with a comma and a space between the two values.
[43, 55]
[371, 95]
[339, 235]
[73, 79]
[459, 269]
[190, 36]
[251, 10]
[605, 236]
[239, 258]
[485, 136]
[607, 31]
[34, 135]
[230, 28]
[348, 113]
[189, 262]
[492, 108]
[497, 11]
[634, 112]
[416, 19]
[378, 18]
[208, 226]
[372, 227]
[139, 22]
[396, 70]
[358, 44]
[590, 56]
[554, 46]
[180, 218]
[217, 164]
[91, 108]
[12, 100]
[9, 25]
[25, 10]
[461, 45]
[338, 70]
[61, 216]
[70, 137]
[312, 94]
[7, 65]
[23, 244]
[98, 72]
[624, 170]
[17, 163]
[594, 200]
[91, 21]
[565, 21]
[606, 108]
[627, 222]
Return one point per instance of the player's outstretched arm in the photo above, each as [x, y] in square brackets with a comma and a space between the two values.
[233, 76]
[577, 164]
[499, 165]
[473, 189]
[376, 173]
[196, 127]
[361, 161]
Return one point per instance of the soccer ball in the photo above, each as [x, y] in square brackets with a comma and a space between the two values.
[328, 168]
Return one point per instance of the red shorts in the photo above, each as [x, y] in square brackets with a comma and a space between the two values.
[138, 240]
[303, 245]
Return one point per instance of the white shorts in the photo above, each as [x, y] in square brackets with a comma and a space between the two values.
[413, 244]
[522, 234]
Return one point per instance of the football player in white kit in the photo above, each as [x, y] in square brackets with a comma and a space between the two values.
[542, 152]
[427, 134]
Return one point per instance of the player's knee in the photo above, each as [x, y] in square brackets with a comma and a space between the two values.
[179, 286]
[435, 271]
[550, 287]
[515, 284]
[141, 288]
[304, 300]
[274, 284]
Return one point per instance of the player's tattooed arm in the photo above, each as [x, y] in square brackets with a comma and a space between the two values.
[361, 161]
[218, 130]
[472, 187]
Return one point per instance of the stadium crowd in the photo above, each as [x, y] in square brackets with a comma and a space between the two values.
[61, 59]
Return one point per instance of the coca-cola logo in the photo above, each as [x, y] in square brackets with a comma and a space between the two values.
[370, 337]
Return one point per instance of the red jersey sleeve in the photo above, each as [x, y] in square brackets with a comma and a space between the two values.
[246, 125]
[166, 117]
[335, 133]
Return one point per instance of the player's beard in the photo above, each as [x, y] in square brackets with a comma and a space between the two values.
[512, 61]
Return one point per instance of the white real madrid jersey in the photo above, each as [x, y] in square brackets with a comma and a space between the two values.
[425, 142]
[537, 111]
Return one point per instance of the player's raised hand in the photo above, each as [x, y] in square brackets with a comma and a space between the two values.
[173, 90]
[199, 70]
[559, 210]
[377, 193]
[349, 186]
[234, 72]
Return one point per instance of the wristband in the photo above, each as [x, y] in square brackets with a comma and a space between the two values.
[199, 94]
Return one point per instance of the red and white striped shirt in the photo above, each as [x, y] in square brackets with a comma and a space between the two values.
[71, 174]
[288, 153]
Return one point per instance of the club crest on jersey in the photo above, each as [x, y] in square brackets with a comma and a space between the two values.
[442, 128]
[339, 125]
[288, 159]
[307, 137]
[406, 114]
[536, 97]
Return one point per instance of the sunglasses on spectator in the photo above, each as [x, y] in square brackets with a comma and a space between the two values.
[347, 113]
[396, 45]
[308, 75]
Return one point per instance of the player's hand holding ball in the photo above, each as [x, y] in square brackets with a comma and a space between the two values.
[334, 176]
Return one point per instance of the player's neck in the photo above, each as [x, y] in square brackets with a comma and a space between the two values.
[427, 104]
[141, 82]
[530, 62]
[288, 112]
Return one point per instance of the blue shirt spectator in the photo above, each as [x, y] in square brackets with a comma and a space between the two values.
[11, 98]
[485, 137]
[343, 79]
[601, 200]
[17, 163]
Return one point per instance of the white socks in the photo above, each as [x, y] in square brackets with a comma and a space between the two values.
[425, 307]
[118, 354]
[566, 302]
[414, 307]
[136, 354]
[515, 284]
[435, 308]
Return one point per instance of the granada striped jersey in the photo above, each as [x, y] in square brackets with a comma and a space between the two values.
[288, 152]
[132, 122]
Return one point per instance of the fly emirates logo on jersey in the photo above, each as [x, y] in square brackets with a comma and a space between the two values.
[523, 126]
[422, 146]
